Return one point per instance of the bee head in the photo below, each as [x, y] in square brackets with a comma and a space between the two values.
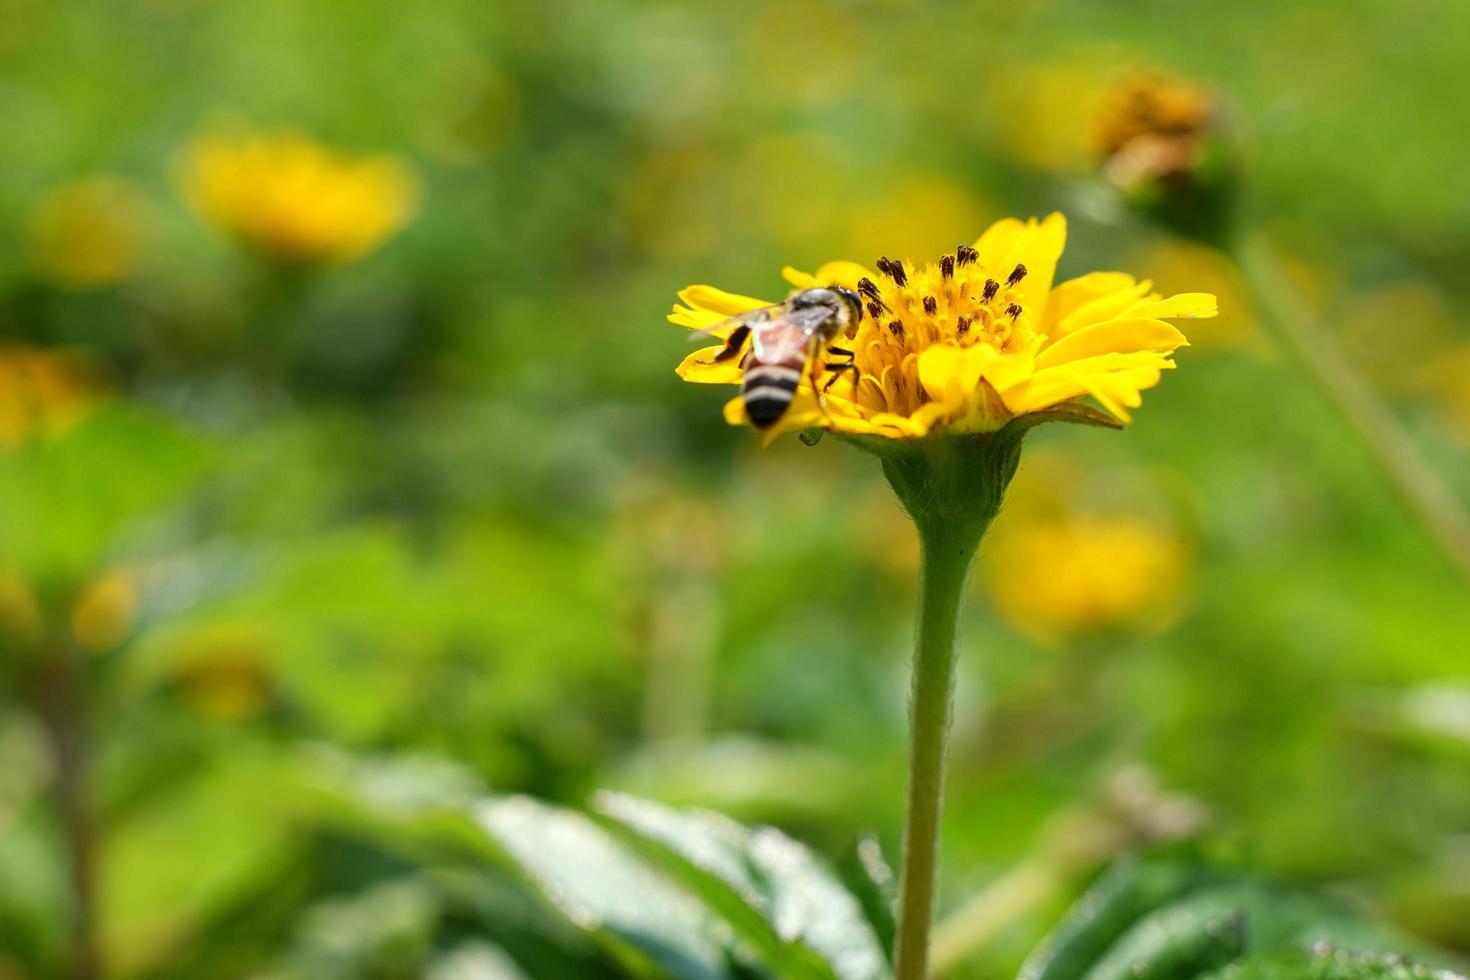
[852, 299]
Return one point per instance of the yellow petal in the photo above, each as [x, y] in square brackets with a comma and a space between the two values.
[1072, 294]
[1104, 307]
[1112, 337]
[709, 307]
[995, 244]
[799, 279]
[697, 319]
[1067, 381]
[1197, 306]
[699, 367]
[948, 372]
[842, 273]
[1039, 251]
[709, 298]
[838, 273]
[1037, 245]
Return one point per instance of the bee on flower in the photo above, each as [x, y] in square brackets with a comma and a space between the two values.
[964, 344]
[293, 200]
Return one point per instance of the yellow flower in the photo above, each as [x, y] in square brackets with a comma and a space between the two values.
[1153, 126]
[1083, 573]
[20, 613]
[42, 395]
[294, 200]
[104, 613]
[966, 344]
[88, 232]
[1058, 564]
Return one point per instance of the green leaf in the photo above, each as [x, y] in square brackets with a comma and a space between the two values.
[1181, 940]
[873, 883]
[1170, 920]
[1326, 963]
[768, 886]
[65, 503]
[475, 960]
[1123, 896]
[654, 926]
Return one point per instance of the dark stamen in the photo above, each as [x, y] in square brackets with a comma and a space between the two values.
[868, 288]
[962, 326]
[875, 310]
[896, 328]
[1013, 311]
[964, 255]
[1017, 274]
[931, 305]
[893, 270]
[991, 288]
[946, 266]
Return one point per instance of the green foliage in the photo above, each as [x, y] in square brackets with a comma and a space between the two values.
[449, 502]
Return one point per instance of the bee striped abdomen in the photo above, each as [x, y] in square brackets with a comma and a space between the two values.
[768, 390]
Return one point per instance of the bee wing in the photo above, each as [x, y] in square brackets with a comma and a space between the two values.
[750, 318]
[788, 337]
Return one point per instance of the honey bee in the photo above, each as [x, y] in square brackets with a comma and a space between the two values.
[788, 341]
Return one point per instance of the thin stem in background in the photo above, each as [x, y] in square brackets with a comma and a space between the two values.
[944, 568]
[1317, 352]
[62, 709]
[1009, 899]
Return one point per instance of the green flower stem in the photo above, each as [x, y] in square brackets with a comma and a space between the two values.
[945, 567]
[952, 488]
[1317, 352]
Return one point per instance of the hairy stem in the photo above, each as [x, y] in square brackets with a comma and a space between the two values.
[1422, 488]
[945, 567]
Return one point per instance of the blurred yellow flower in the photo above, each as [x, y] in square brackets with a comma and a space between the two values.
[293, 199]
[104, 613]
[967, 343]
[1041, 115]
[1082, 574]
[43, 394]
[20, 613]
[1057, 567]
[222, 674]
[1153, 126]
[88, 232]
[1446, 382]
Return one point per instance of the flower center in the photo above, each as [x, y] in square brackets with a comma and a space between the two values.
[955, 301]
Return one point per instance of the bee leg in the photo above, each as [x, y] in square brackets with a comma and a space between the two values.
[814, 367]
[840, 350]
[733, 343]
[838, 370]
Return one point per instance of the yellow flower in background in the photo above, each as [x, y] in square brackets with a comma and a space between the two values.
[968, 343]
[20, 613]
[1082, 574]
[88, 232]
[43, 395]
[223, 672]
[1445, 381]
[1056, 568]
[293, 199]
[1153, 126]
[104, 613]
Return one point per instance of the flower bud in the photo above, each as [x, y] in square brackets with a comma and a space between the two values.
[1166, 146]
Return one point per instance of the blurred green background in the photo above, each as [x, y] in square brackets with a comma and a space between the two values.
[338, 422]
